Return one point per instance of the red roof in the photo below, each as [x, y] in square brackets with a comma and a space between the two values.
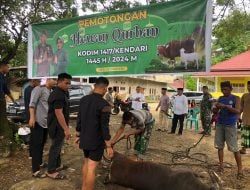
[177, 83]
[235, 66]
[223, 73]
[240, 62]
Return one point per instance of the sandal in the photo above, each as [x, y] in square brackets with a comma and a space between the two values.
[39, 174]
[62, 167]
[58, 176]
[240, 176]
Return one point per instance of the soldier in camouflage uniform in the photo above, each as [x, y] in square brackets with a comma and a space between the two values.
[206, 105]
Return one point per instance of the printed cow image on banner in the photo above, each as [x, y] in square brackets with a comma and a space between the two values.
[170, 37]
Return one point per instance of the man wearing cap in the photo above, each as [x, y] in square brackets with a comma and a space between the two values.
[180, 110]
[163, 105]
[137, 99]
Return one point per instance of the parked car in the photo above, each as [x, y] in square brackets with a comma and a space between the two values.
[16, 112]
[76, 92]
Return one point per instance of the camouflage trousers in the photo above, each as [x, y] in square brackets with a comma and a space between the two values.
[245, 136]
[206, 122]
[142, 141]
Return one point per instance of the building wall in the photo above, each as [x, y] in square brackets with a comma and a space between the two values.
[239, 84]
[127, 86]
[209, 82]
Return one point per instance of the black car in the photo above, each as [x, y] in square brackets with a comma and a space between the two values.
[76, 92]
[16, 112]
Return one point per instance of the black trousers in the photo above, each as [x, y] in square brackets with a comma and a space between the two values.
[55, 151]
[175, 120]
[38, 139]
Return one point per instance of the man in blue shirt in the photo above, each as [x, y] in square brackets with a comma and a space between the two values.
[226, 130]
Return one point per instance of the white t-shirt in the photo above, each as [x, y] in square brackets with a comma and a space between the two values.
[180, 105]
[137, 104]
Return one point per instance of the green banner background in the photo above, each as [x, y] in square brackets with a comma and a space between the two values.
[170, 21]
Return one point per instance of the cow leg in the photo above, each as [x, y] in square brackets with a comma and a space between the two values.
[186, 65]
[197, 64]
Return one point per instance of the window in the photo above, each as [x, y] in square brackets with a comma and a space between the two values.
[122, 88]
[75, 92]
[238, 87]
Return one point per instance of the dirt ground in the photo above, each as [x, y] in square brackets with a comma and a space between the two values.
[17, 169]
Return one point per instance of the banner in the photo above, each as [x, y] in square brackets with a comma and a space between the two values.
[170, 37]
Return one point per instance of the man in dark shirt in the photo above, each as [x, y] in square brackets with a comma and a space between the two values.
[58, 123]
[27, 95]
[4, 90]
[92, 130]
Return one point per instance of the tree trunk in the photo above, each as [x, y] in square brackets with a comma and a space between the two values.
[6, 132]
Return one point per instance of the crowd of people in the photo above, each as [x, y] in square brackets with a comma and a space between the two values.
[226, 112]
[47, 111]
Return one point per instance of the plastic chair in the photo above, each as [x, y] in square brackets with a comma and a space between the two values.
[193, 117]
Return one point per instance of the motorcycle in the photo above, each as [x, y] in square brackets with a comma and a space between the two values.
[124, 106]
[120, 105]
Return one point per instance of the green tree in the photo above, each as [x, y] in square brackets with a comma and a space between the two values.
[190, 82]
[109, 5]
[232, 35]
[15, 17]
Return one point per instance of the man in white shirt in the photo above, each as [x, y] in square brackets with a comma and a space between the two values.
[137, 99]
[180, 110]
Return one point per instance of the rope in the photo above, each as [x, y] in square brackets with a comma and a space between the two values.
[181, 155]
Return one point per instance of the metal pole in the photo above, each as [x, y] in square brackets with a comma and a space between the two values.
[209, 15]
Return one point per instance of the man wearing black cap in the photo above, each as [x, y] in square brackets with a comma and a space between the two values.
[180, 110]
[163, 105]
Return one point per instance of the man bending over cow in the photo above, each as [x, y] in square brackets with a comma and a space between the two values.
[141, 122]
